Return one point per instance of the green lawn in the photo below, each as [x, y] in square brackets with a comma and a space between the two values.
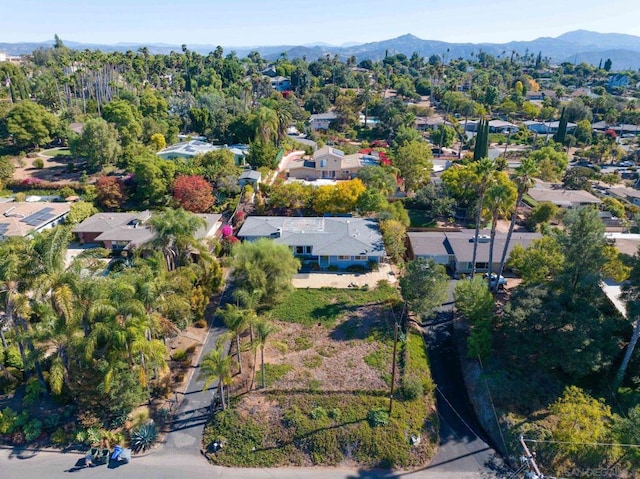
[326, 305]
[419, 219]
[54, 152]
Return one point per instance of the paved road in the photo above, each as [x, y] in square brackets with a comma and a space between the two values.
[463, 445]
[462, 454]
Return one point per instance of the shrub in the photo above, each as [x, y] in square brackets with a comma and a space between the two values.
[59, 436]
[81, 436]
[318, 413]
[412, 388]
[335, 413]
[94, 435]
[179, 355]
[201, 324]
[12, 358]
[32, 430]
[7, 420]
[38, 163]
[52, 421]
[143, 437]
[378, 417]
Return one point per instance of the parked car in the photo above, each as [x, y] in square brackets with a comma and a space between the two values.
[501, 282]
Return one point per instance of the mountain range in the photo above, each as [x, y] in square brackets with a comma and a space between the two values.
[575, 47]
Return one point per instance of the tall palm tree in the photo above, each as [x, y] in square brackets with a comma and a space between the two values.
[524, 178]
[174, 233]
[284, 116]
[237, 321]
[216, 366]
[263, 330]
[484, 170]
[265, 125]
[631, 295]
[499, 200]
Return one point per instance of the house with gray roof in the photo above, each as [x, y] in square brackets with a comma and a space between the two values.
[321, 121]
[127, 231]
[321, 242]
[562, 198]
[190, 149]
[454, 248]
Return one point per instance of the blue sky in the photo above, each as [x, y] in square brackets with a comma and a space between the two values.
[297, 22]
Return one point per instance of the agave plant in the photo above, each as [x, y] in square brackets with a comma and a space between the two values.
[143, 437]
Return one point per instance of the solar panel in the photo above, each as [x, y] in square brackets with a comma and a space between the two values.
[39, 217]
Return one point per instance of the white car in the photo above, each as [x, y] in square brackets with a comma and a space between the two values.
[501, 282]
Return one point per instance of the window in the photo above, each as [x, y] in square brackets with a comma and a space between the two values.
[299, 249]
[360, 258]
[344, 258]
[482, 265]
[307, 249]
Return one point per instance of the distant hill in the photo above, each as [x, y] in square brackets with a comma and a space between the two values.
[575, 46]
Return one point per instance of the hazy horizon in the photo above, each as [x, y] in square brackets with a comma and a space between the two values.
[246, 23]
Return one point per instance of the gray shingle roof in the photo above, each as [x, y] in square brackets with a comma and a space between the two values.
[460, 244]
[327, 236]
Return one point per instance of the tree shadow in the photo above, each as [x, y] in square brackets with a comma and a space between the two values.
[331, 311]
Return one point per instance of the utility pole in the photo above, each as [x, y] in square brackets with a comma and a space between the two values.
[530, 459]
[393, 369]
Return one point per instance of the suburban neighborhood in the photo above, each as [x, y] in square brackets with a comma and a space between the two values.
[297, 265]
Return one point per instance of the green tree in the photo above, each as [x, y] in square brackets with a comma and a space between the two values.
[264, 266]
[538, 263]
[583, 132]
[583, 244]
[561, 132]
[443, 136]
[263, 330]
[631, 296]
[414, 162]
[216, 366]
[393, 235]
[423, 286]
[523, 177]
[484, 171]
[31, 124]
[174, 231]
[474, 299]
[98, 143]
[499, 201]
[551, 163]
[80, 211]
[126, 118]
[237, 321]
[582, 421]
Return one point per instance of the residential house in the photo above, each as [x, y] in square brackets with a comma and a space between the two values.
[625, 194]
[127, 231]
[321, 121]
[618, 80]
[429, 123]
[190, 149]
[454, 248]
[25, 218]
[495, 126]
[547, 127]
[280, 83]
[321, 242]
[329, 163]
[250, 177]
[562, 198]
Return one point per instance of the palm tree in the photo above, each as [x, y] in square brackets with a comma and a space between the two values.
[631, 295]
[524, 180]
[216, 366]
[265, 125]
[174, 234]
[284, 116]
[237, 321]
[263, 329]
[499, 199]
[484, 170]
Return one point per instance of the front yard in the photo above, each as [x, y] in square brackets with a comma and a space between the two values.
[328, 375]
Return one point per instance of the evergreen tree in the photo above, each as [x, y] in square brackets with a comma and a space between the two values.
[561, 134]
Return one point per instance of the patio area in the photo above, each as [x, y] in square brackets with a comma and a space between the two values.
[344, 279]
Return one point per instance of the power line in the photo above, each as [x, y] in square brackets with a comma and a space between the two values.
[582, 443]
